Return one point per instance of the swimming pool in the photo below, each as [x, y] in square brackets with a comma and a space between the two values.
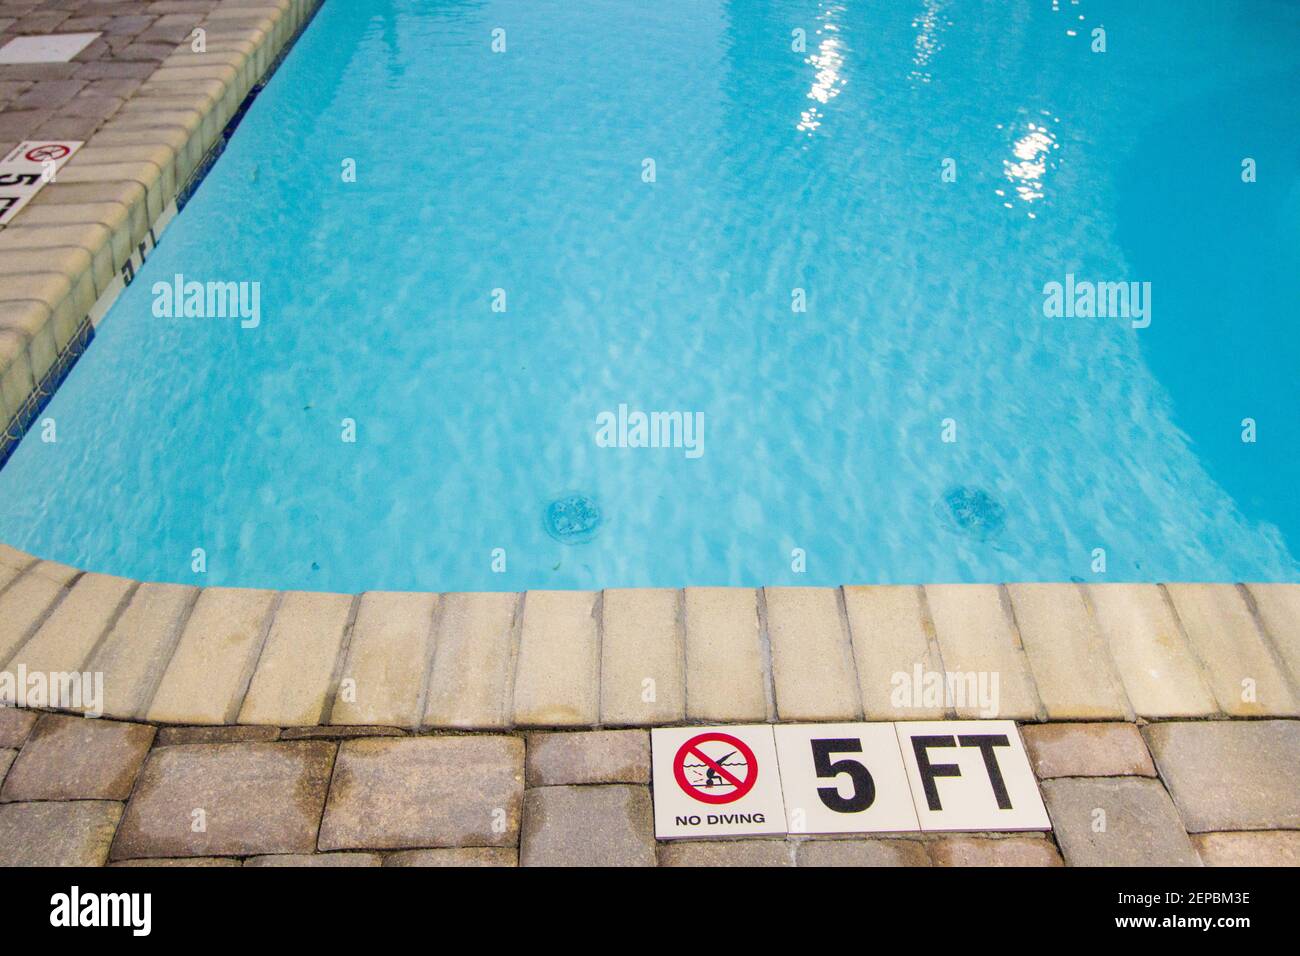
[481, 254]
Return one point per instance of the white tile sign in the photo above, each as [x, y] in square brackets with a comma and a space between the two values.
[716, 781]
[843, 778]
[28, 167]
[971, 775]
[50, 48]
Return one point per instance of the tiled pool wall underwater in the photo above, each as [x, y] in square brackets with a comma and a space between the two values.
[25, 391]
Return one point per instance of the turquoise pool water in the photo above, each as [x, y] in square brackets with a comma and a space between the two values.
[774, 170]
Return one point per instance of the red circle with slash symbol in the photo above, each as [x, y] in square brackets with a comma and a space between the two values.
[50, 151]
[715, 768]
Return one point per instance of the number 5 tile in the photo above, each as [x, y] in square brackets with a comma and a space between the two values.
[844, 778]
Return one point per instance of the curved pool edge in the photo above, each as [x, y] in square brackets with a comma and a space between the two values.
[220, 656]
[116, 195]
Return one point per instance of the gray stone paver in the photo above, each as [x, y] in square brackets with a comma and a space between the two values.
[15, 725]
[610, 825]
[993, 851]
[404, 801]
[1231, 774]
[316, 859]
[71, 833]
[727, 853]
[182, 861]
[602, 756]
[340, 732]
[77, 758]
[1087, 750]
[868, 852]
[1249, 848]
[172, 736]
[1118, 821]
[254, 798]
[456, 856]
[425, 792]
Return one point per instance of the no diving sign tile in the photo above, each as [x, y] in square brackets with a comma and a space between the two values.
[719, 781]
[843, 778]
[27, 168]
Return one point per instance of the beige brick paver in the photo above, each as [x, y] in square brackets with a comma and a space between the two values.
[556, 682]
[1073, 672]
[1160, 674]
[67, 637]
[976, 636]
[725, 667]
[214, 659]
[470, 683]
[1246, 678]
[291, 684]
[642, 670]
[812, 662]
[387, 660]
[135, 653]
[891, 636]
[27, 600]
[1278, 606]
[14, 559]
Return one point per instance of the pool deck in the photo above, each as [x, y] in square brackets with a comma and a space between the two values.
[312, 727]
[327, 729]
